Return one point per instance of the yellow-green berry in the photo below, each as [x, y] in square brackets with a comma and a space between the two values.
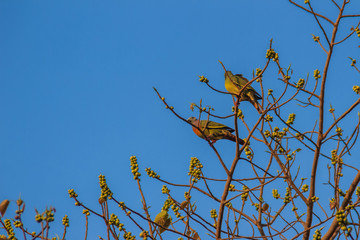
[213, 213]
[291, 118]
[258, 71]
[65, 221]
[339, 131]
[271, 54]
[72, 193]
[195, 169]
[105, 190]
[165, 190]
[275, 194]
[267, 133]
[151, 173]
[317, 74]
[203, 79]
[86, 212]
[316, 38]
[245, 194]
[232, 188]
[135, 168]
[268, 118]
[314, 198]
[356, 89]
[300, 83]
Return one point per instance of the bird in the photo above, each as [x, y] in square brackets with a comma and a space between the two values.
[234, 83]
[213, 131]
[164, 220]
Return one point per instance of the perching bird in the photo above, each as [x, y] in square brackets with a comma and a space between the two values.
[164, 220]
[213, 131]
[234, 83]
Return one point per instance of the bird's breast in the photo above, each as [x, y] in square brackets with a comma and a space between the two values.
[197, 132]
[231, 87]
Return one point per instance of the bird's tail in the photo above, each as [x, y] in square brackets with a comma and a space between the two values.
[257, 106]
[233, 138]
[254, 96]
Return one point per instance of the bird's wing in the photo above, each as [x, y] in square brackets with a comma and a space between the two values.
[161, 218]
[214, 125]
[257, 95]
[242, 81]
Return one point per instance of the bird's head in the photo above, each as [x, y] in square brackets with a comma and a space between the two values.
[228, 73]
[191, 119]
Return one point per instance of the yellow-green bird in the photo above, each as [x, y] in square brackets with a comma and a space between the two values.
[164, 220]
[234, 83]
[213, 131]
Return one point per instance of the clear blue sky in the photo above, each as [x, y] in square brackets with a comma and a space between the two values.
[76, 95]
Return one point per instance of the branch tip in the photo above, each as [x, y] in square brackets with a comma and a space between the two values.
[222, 65]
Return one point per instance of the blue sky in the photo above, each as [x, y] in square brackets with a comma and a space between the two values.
[76, 93]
